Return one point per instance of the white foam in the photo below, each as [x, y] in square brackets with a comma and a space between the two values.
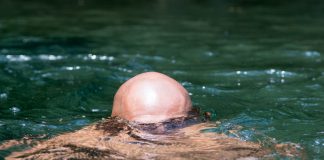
[3, 95]
[18, 58]
[14, 109]
[71, 68]
[95, 110]
[50, 57]
[312, 54]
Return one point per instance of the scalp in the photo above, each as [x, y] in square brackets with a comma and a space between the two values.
[151, 97]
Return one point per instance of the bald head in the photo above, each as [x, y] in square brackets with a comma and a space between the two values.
[151, 97]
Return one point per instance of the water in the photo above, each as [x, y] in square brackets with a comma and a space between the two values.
[258, 64]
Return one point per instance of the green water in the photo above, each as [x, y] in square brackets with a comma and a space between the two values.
[258, 64]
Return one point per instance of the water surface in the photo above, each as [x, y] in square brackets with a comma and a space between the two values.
[257, 64]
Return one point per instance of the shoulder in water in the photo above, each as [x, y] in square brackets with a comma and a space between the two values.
[151, 119]
[180, 138]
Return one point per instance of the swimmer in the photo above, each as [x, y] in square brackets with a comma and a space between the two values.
[152, 118]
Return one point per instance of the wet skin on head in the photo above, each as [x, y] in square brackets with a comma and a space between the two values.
[151, 97]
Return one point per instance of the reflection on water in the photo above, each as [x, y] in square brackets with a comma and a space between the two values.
[256, 64]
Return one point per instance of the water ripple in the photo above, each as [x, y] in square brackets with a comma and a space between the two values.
[50, 57]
